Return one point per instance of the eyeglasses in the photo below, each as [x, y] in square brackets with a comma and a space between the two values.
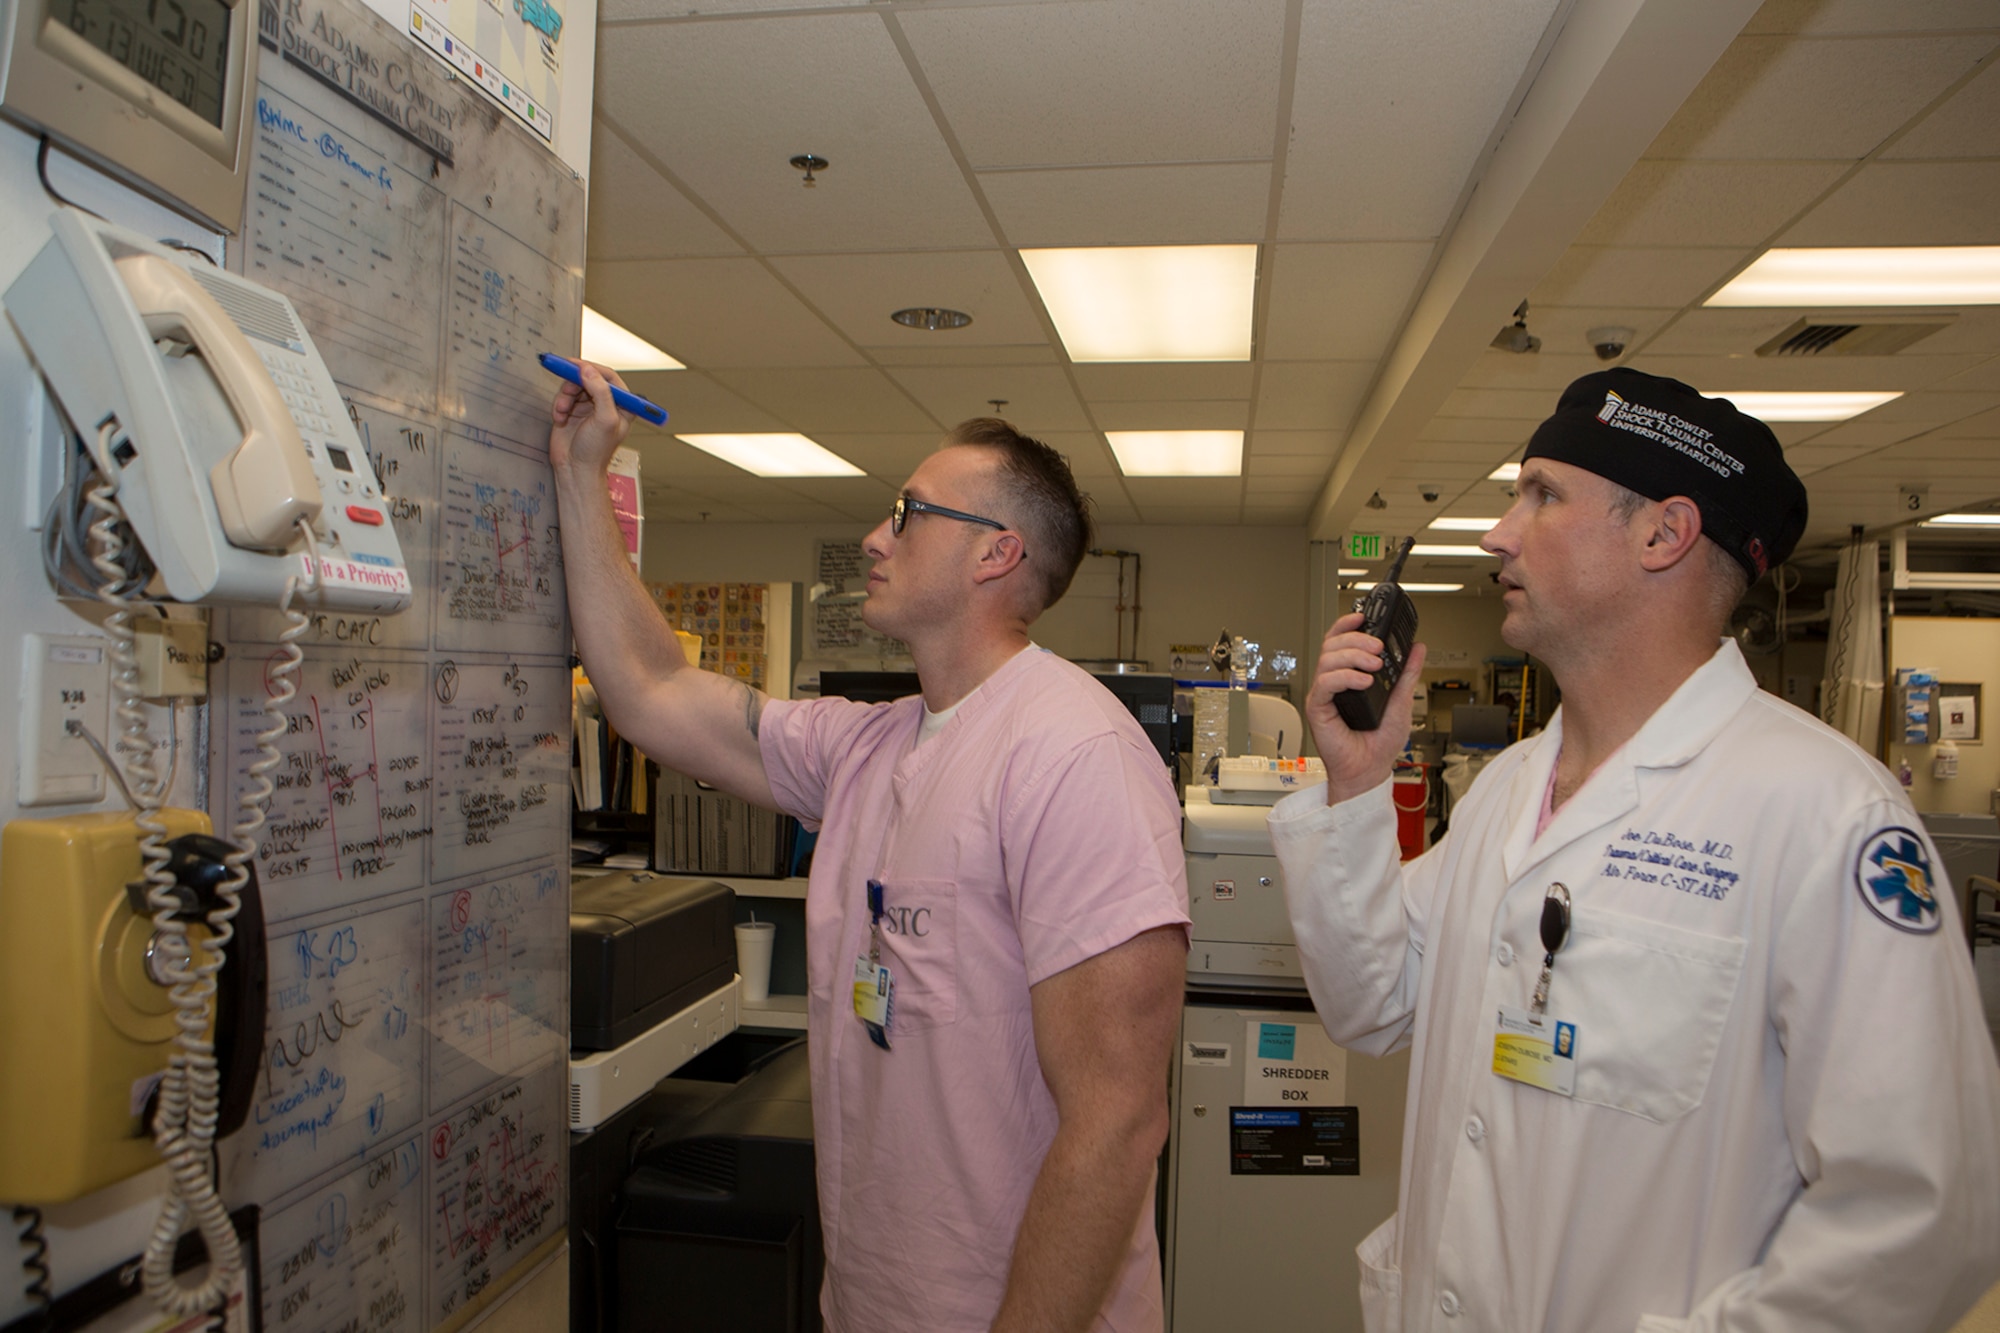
[907, 504]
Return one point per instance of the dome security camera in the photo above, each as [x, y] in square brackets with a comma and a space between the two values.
[1430, 494]
[1610, 341]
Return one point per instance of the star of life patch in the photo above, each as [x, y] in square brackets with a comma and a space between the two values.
[1893, 876]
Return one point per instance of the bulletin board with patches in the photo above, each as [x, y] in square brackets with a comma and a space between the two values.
[407, 1143]
[730, 619]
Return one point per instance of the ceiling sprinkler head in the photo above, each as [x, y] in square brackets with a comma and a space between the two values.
[809, 163]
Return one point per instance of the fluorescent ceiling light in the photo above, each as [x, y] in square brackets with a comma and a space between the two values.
[1178, 453]
[1149, 302]
[1349, 573]
[1422, 549]
[1945, 275]
[1465, 524]
[1505, 472]
[775, 455]
[1418, 587]
[1804, 406]
[616, 346]
[1962, 521]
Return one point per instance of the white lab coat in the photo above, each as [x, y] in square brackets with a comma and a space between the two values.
[1786, 1110]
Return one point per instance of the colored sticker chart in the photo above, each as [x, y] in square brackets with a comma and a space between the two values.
[350, 811]
[500, 743]
[497, 1171]
[351, 237]
[403, 453]
[505, 304]
[342, 1073]
[499, 566]
[496, 950]
[350, 1256]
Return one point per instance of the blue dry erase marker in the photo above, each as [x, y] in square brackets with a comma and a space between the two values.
[631, 402]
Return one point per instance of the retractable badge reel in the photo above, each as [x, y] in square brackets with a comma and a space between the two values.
[1529, 1046]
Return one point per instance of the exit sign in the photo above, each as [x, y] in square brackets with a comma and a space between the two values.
[1364, 546]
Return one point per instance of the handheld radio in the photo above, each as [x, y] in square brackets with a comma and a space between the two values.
[1386, 613]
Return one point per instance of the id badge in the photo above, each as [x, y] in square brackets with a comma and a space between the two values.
[874, 999]
[1536, 1049]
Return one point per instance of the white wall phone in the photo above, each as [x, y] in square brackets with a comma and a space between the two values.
[202, 398]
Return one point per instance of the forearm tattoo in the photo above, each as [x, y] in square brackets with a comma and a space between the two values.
[753, 708]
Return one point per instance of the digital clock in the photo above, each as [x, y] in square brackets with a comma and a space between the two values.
[160, 92]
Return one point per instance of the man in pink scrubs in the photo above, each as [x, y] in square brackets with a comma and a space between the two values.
[996, 922]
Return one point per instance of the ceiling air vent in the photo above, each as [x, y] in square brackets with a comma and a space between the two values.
[1850, 336]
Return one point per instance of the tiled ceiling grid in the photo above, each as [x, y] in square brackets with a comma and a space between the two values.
[1340, 135]
[1824, 124]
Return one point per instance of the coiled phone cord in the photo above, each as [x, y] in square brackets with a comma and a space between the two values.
[189, 1095]
[35, 1263]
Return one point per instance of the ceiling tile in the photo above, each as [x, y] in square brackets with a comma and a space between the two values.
[1192, 414]
[963, 354]
[1529, 405]
[1393, 106]
[1722, 331]
[1039, 398]
[1312, 395]
[859, 292]
[1286, 466]
[1963, 126]
[1797, 98]
[1707, 203]
[1909, 203]
[1857, 16]
[832, 400]
[1545, 370]
[724, 105]
[1148, 492]
[636, 214]
[714, 312]
[1488, 456]
[1983, 377]
[1340, 302]
[1318, 443]
[1103, 382]
[1659, 277]
[1122, 81]
[1504, 431]
[1716, 374]
[889, 456]
[695, 402]
[1200, 203]
[1089, 457]
[1192, 515]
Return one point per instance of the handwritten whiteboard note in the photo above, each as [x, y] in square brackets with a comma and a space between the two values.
[350, 1256]
[499, 560]
[505, 306]
[497, 1185]
[496, 1005]
[350, 816]
[353, 239]
[500, 745]
[343, 1061]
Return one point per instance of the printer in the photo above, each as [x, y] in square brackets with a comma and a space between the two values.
[1242, 933]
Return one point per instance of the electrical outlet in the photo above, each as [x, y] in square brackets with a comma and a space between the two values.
[172, 657]
[65, 678]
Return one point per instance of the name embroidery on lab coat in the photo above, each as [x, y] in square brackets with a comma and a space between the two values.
[1700, 867]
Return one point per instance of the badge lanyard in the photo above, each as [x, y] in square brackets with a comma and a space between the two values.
[1529, 1046]
[1555, 934]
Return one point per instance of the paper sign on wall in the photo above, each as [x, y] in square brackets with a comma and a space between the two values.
[1292, 1064]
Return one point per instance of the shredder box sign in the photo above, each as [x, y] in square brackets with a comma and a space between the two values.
[1292, 1064]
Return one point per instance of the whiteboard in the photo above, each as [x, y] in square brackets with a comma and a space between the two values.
[499, 570]
[342, 1072]
[500, 741]
[355, 1244]
[409, 1138]
[350, 816]
[494, 1009]
[499, 1172]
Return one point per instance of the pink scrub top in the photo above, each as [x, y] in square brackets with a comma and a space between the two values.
[1037, 830]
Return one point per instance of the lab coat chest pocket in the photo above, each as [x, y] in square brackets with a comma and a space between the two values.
[1650, 1001]
[920, 947]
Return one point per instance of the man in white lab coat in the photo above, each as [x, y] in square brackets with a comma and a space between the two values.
[1752, 1088]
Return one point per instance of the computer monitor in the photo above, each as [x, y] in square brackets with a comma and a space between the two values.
[1149, 697]
[1480, 724]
